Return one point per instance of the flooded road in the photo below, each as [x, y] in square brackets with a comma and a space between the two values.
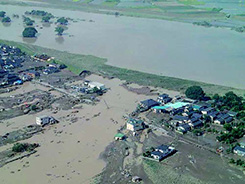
[212, 55]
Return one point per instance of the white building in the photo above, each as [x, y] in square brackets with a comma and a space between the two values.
[45, 120]
[96, 85]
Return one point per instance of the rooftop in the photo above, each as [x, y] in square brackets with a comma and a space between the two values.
[120, 135]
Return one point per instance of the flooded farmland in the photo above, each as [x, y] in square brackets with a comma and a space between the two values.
[212, 55]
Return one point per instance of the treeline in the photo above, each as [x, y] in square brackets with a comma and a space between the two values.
[39, 13]
[230, 101]
[238, 162]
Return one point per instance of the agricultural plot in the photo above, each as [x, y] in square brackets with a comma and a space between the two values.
[133, 3]
[229, 6]
[97, 2]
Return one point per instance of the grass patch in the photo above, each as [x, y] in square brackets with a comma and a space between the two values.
[87, 1]
[159, 173]
[111, 3]
[191, 2]
[77, 63]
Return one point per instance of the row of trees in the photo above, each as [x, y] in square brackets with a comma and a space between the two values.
[21, 147]
[229, 101]
[30, 32]
[40, 13]
[232, 135]
[238, 162]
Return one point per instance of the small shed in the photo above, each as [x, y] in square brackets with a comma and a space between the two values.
[119, 136]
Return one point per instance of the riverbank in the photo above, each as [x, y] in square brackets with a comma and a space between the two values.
[77, 63]
[169, 10]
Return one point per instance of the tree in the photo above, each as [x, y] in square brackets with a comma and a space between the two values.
[216, 97]
[62, 66]
[62, 21]
[19, 147]
[195, 92]
[6, 20]
[59, 30]
[2, 13]
[232, 161]
[29, 32]
[28, 21]
[46, 19]
[228, 127]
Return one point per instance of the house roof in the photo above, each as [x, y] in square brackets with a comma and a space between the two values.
[163, 147]
[228, 120]
[180, 118]
[231, 113]
[158, 153]
[197, 123]
[213, 112]
[149, 103]
[134, 121]
[196, 115]
[120, 135]
[185, 126]
[240, 149]
[163, 96]
[208, 109]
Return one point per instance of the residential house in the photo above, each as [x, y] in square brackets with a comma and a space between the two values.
[162, 152]
[147, 104]
[177, 98]
[213, 115]
[183, 128]
[164, 98]
[188, 111]
[3, 73]
[239, 150]
[207, 110]
[223, 118]
[50, 70]
[25, 77]
[45, 120]
[33, 74]
[180, 119]
[135, 124]
[196, 124]
[196, 115]
[176, 111]
[119, 136]
[232, 114]
[96, 85]
[11, 78]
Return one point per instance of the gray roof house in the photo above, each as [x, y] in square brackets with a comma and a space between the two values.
[239, 151]
[184, 128]
[147, 104]
[162, 152]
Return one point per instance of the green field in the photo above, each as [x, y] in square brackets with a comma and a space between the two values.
[159, 173]
[77, 63]
[168, 10]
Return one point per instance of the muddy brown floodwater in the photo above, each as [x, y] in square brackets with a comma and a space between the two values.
[213, 55]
